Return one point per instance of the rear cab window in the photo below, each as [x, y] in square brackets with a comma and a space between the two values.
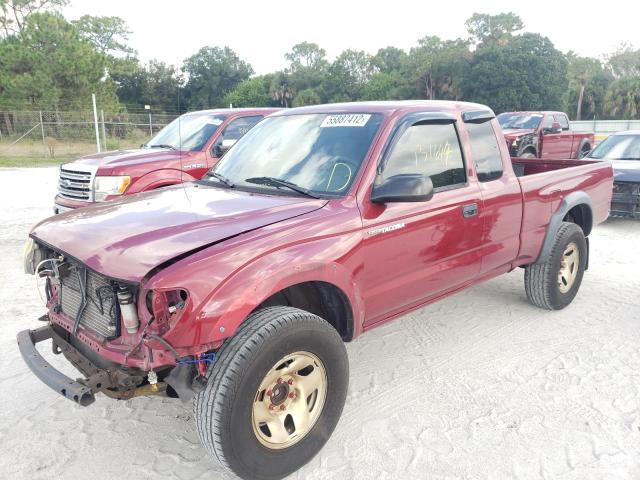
[428, 148]
[562, 120]
[485, 151]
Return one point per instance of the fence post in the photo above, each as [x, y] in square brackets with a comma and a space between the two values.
[95, 120]
[44, 143]
[104, 132]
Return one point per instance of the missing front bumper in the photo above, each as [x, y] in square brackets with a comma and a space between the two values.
[71, 389]
[113, 382]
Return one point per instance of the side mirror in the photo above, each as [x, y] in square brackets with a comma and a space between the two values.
[223, 147]
[405, 187]
[555, 128]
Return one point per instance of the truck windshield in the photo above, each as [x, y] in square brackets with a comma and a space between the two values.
[318, 153]
[519, 120]
[618, 147]
[189, 132]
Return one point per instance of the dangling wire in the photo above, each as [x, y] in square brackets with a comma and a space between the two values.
[55, 269]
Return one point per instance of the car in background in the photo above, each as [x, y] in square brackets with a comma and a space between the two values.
[623, 150]
[182, 151]
[543, 135]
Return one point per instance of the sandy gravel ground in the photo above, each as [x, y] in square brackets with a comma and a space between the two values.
[480, 385]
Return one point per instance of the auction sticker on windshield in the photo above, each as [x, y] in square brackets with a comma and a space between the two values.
[346, 120]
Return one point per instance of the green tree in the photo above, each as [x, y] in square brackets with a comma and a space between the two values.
[49, 64]
[14, 13]
[385, 86]
[389, 59]
[348, 75]
[526, 73]
[108, 34]
[588, 82]
[308, 65]
[212, 73]
[306, 97]
[623, 98]
[253, 92]
[436, 67]
[625, 62]
[485, 29]
[282, 91]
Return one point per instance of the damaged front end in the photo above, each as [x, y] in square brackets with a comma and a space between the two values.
[625, 201]
[109, 330]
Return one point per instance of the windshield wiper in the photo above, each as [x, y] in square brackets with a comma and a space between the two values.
[163, 145]
[278, 182]
[222, 178]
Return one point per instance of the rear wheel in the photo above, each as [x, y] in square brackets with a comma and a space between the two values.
[553, 285]
[275, 395]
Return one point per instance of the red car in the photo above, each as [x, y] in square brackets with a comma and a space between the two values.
[543, 135]
[322, 223]
[182, 151]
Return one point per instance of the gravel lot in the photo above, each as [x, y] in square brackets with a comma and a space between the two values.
[480, 385]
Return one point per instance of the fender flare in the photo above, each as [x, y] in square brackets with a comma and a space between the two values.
[570, 201]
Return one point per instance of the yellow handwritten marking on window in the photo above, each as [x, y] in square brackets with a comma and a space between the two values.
[430, 152]
[334, 171]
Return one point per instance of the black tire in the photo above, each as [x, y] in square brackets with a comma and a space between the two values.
[223, 410]
[541, 279]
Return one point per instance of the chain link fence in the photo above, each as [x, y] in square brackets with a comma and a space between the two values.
[44, 137]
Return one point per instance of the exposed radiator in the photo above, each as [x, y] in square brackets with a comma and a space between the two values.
[101, 313]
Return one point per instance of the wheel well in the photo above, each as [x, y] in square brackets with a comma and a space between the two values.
[320, 298]
[580, 215]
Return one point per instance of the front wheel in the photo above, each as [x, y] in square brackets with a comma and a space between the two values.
[275, 395]
[553, 285]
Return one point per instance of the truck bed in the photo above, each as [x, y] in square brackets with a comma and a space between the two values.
[531, 166]
[545, 183]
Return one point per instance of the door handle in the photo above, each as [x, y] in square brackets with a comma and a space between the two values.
[470, 210]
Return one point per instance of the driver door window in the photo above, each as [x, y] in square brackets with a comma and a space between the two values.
[430, 149]
[233, 132]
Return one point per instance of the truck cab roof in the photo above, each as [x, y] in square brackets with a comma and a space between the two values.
[389, 108]
[233, 111]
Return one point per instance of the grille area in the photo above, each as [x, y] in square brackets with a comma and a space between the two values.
[74, 184]
[101, 314]
[626, 187]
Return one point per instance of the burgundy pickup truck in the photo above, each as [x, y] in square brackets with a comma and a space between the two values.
[182, 151]
[323, 222]
[543, 135]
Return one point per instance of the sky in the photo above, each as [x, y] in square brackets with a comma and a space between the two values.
[261, 32]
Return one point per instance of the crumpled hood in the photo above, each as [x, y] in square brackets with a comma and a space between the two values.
[127, 238]
[125, 158]
[626, 170]
[512, 133]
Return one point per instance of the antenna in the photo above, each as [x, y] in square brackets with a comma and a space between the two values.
[180, 138]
